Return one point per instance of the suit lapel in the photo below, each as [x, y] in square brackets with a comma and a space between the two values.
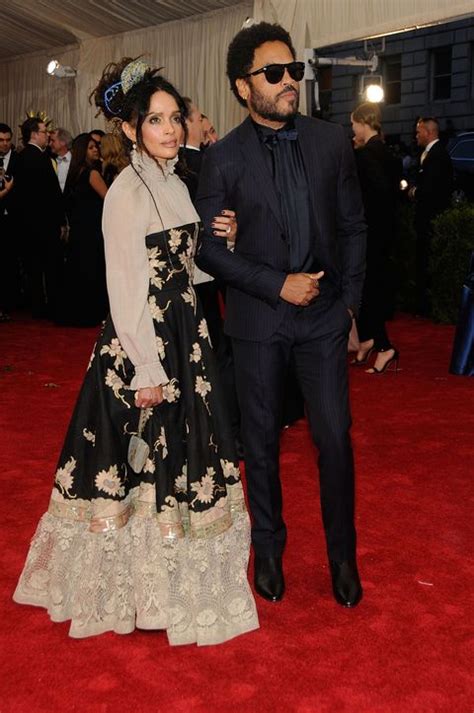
[309, 150]
[252, 155]
[308, 147]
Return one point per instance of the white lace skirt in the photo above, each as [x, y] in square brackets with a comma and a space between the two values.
[194, 588]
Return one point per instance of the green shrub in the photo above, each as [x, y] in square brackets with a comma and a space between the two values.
[452, 245]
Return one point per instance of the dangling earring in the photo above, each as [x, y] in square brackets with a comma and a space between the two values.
[134, 146]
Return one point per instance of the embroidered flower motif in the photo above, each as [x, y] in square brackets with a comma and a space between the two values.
[116, 352]
[181, 482]
[190, 245]
[160, 346]
[170, 503]
[174, 240]
[196, 354]
[64, 478]
[188, 263]
[206, 618]
[155, 265]
[189, 297]
[109, 482]
[205, 488]
[149, 466]
[237, 607]
[156, 311]
[229, 469]
[113, 380]
[171, 392]
[202, 387]
[203, 331]
[89, 436]
[161, 443]
[154, 259]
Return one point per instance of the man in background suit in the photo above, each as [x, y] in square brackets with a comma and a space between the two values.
[432, 195]
[294, 282]
[209, 133]
[191, 151]
[60, 143]
[39, 215]
[9, 247]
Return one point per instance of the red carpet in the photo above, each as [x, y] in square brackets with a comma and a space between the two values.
[404, 649]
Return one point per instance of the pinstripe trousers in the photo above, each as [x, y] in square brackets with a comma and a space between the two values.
[317, 336]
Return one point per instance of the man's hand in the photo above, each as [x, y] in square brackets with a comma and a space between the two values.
[7, 186]
[301, 288]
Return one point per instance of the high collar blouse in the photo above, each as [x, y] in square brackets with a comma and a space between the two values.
[145, 198]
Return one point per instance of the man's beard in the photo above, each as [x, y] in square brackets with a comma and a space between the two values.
[267, 108]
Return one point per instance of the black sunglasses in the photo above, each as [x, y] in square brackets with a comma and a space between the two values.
[274, 72]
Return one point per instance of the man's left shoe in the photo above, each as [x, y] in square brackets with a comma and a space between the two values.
[346, 584]
[269, 580]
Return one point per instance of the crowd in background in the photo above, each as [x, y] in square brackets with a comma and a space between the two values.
[52, 188]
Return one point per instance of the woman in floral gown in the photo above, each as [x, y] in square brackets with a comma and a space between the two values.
[167, 547]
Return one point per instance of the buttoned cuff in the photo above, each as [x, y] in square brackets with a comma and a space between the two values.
[149, 375]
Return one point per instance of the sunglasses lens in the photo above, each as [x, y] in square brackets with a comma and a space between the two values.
[296, 71]
[274, 73]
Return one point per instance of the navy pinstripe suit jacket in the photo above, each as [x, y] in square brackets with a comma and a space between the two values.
[234, 175]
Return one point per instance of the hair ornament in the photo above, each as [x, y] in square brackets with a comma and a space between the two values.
[41, 116]
[133, 73]
[109, 95]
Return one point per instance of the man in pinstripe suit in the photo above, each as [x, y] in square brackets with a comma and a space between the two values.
[294, 284]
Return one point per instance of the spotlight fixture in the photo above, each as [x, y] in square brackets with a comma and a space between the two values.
[371, 88]
[248, 22]
[55, 69]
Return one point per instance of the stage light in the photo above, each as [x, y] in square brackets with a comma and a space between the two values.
[371, 88]
[55, 69]
[374, 93]
[248, 22]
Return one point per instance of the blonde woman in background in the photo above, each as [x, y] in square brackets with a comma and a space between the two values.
[379, 174]
[114, 157]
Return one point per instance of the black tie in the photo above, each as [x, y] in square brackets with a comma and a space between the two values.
[286, 135]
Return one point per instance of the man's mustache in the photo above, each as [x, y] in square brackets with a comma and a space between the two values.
[288, 90]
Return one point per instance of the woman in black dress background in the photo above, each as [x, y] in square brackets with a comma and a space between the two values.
[85, 293]
[380, 173]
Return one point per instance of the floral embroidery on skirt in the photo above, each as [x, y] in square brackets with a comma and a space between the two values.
[168, 547]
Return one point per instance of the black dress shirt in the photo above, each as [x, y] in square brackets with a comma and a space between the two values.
[283, 157]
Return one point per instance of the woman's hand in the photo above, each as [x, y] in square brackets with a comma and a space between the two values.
[149, 396]
[225, 225]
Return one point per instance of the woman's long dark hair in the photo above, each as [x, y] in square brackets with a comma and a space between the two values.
[78, 161]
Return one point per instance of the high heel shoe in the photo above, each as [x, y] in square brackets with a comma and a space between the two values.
[362, 362]
[393, 360]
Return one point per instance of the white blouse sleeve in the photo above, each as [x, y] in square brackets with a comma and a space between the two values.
[124, 224]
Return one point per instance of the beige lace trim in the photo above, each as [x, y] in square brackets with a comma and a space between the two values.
[176, 520]
[194, 588]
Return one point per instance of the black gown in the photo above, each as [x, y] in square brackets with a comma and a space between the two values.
[167, 547]
[85, 301]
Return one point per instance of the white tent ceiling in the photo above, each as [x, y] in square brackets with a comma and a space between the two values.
[31, 25]
[188, 37]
